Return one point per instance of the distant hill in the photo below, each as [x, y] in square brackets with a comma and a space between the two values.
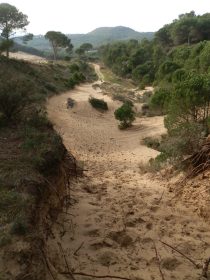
[105, 35]
[97, 37]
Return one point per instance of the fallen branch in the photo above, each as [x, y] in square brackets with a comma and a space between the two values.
[96, 276]
[159, 261]
[67, 265]
[48, 265]
[75, 253]
[176, 250]
[205, 268]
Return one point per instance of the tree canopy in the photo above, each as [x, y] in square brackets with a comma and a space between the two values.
[58, 41]
[11, 20]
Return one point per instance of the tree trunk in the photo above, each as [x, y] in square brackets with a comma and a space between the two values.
[7, 50]
[7, 39]
[54, 51]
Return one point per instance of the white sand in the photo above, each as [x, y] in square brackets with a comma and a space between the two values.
[27, 57]
[120, 213]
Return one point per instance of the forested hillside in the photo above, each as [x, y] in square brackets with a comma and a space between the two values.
[177, 63]
[97, 37]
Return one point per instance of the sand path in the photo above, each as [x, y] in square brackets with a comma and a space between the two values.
[120, 215]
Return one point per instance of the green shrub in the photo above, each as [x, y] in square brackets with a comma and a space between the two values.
[71, 83]
[183, 140]
[78, 77]
[50, 87]
[98, 103]
[12, 205]
[125, 115]
[74, 67]
[152, 143]
[44, 149]
[38, 119]
[13, 98]
[156, 164]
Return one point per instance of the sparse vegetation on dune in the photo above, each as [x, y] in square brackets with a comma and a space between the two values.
[31, 152]
[177, 64]
[125, 114]
[99, 104]
[118, 206]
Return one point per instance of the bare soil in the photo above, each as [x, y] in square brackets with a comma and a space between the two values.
[27, 57]
[118, 217]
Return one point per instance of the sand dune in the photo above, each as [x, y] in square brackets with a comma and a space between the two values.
[120, 214]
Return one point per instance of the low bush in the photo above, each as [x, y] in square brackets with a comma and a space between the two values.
[12, 205]
[74, 67]
[149, 111]
[99, 104]
[152, 143]
[50, 87]
[13, 98]
[125, 114]
[38, 118]
[43, 148]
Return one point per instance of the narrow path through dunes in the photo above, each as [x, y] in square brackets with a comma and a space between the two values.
[120, 215]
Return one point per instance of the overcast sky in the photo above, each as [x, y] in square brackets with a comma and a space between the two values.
[82, 16]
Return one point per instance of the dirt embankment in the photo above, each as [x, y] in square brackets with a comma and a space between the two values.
[118, 217]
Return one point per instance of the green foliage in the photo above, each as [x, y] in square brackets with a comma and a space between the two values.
[11, 20]
[158, 162]
[177, 61]
[58, 40]
[12, 205]
[189, 101]
[204, 58]
[5, 45]
[50, 87]
[98, 103]
[188, 28]
[27, 37]
[152, 143]
[97, 38]
[86, 46]
[160, 99]
[125, 115]
[166, 70]
[74, 67]
[144, 71]
[45, 149]
[38, 119]
[13, 98]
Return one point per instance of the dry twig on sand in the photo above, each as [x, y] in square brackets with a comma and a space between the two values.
[66, 262]
[159, 261]
[77, 250]
[205, 268]
[176, 250]
[96, 276]
[47, 264]
[200, 160]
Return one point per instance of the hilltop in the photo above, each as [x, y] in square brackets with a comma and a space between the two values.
[97, 37]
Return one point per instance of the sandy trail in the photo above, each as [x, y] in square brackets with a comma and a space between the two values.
[120, 214]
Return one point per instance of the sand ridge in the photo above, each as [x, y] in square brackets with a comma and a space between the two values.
[120, 215]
